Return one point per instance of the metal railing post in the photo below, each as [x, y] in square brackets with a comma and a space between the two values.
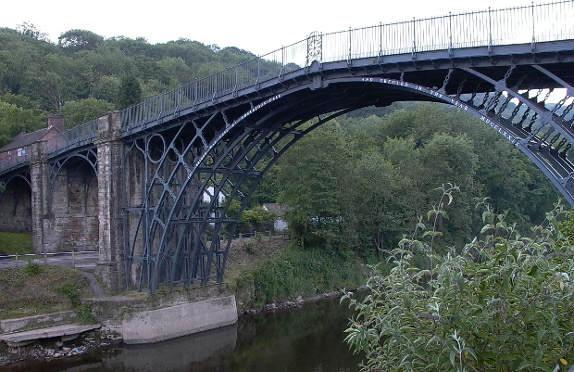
[533, 45]
[258, 69]
[350, 46]
[380, 40]
[450, 34]
[413, 53]
[489, 31]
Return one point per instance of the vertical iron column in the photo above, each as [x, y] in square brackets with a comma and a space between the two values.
[110, 266]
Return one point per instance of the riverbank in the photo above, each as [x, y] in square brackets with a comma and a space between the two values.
[300, 277]
[307, 338]
[49, 350]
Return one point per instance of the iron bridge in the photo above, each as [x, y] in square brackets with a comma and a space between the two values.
[189, 153]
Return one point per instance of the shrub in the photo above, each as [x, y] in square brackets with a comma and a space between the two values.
[297, 272]
[504, 302]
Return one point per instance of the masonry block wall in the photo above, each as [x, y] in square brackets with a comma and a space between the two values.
[64, 206]
[72, 223]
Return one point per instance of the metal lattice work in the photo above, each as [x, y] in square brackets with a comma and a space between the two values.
[541, 127]
[179, 229]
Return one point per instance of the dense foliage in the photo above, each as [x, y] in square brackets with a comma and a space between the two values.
[84, 75]
[502, 302]
[360, 182]
[296, 272]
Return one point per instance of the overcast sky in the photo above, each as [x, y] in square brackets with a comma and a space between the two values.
[258, 26]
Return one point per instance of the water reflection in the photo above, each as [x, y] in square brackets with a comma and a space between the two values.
[305, 339]
[173, 355]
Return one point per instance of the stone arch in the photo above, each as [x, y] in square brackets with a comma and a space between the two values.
[72, 219]
[16, 204]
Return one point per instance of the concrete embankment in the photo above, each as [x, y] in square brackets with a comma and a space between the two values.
[135, 319]
[180, 320]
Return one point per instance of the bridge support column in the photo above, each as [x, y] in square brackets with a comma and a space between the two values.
[40, 204]
[110, 267]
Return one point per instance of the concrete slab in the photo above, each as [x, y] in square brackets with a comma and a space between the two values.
[65, 332]
[36, 321]
[181, 320]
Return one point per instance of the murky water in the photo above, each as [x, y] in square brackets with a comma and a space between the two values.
[304, 339]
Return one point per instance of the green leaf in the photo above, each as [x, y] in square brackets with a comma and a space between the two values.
[486, 228]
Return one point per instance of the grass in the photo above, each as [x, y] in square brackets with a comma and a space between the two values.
[247, 254]
[37, 289]
[260, 272]
[16, 243]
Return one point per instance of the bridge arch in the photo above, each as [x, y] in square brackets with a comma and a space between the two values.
[15, 204]
[72, 208]
[187, 236]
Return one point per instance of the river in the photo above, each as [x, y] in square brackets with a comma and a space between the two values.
[309, 338]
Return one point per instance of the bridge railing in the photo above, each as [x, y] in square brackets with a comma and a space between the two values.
[518, 25]
[78, 136]
[12, 161]
[207, 89]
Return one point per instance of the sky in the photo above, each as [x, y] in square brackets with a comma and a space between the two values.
[258, 26]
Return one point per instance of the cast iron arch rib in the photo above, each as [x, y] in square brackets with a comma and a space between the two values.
[228, 157]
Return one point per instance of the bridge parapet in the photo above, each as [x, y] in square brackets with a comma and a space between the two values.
[78, 136]
[520, 25]
[12, 162]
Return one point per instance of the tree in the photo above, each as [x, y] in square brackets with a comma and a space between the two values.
[29, 29]
[256, 219]
[309, 176]
[79, 112]
[130, 92]
[374, 205]
[20, 101]
[14, 119]
[47, 88]
[76, 40]
[107, 88]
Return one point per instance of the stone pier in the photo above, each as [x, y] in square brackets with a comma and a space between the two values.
[110, 266]
[40, 203]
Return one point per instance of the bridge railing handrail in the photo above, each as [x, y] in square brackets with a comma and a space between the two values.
[487, 28]
[12, 161]
[78, 136]
[42, 258]
[242, 75]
